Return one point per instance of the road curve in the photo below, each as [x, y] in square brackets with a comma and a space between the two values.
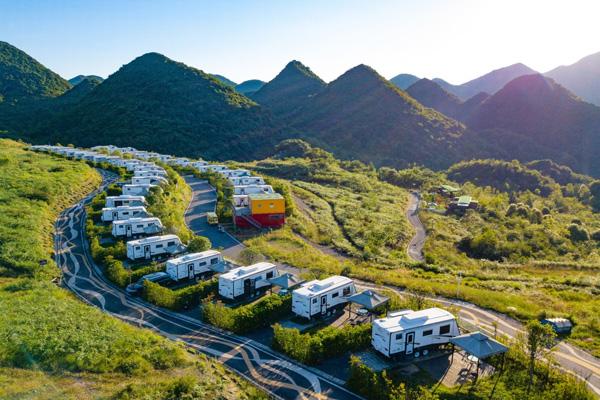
[415, 247]
[282, 378]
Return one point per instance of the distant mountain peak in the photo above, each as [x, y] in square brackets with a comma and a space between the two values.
[403, 81]
[431, 94]
[582, 77]
[294, 67]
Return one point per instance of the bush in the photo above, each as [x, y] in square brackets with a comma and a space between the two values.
[198, 244]
[578, 233]
[326, 343]
[249, 317]
[181, 299]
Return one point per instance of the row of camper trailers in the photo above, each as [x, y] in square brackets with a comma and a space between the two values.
[399, 333]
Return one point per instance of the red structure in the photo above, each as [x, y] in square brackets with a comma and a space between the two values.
[259, 211]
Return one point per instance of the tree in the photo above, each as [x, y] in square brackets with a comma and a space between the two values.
[539, 339]
[595, 193]
[198, 244]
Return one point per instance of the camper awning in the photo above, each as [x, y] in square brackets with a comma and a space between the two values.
[479, 345]
[285, 281]
[369, 299]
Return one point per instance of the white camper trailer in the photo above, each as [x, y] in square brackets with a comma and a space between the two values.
[246, 180]
[193, 265]
[216, 167]
[125, 200]
[407, 332]
[246, 281]
[137, 190]
[153, 247]
[319, 298]
[228, 173]
[150, 172]
[148, 180]
[123, 212]
[241, 200]
[136, 227]
[253, 189]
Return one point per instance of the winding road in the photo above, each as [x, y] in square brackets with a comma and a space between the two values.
[415, 246]
[280, 377]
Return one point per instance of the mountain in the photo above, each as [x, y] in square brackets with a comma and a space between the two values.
[403, 81]
[22, 78]
[80, 90]
[582, 78]
[224, 80]
[488, 83]
[79, 78]
[430, 94]
[290, 89]
[250, 86]
[541, 111]
[362, 115]
[156, 103]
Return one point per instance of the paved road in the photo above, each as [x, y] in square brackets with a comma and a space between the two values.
[204, 199]
[570, 358]
[281, 377]
[415, 247]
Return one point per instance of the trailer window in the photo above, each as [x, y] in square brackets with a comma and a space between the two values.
[139, 226]
[444, 329]
[159, 246]
[346, 291]
[202, 264]
[214, 260]
[170, 243]
[125, 212]
[269, 274]
[137, 247]
[315, 300]
[336, 294]
[398, 336]
[428, 332]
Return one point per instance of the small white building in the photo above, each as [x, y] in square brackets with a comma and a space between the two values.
[133, 227]
[404, 332]
[253, 189]
[194, 265]
[121, 213]
[322, 297]
[148, 180]
[137, 190]
[125, 200]
[153, 247]
[246, 281]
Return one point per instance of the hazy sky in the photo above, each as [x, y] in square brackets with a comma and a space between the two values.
[456, 40]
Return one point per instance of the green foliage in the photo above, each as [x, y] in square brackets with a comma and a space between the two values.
[198, 244]
[249, 317]
[578, 233]
[179, 299]
[411, 178]
[314, 348]
[501, 175]
[22, 78]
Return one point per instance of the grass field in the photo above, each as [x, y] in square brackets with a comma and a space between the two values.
[54, 346]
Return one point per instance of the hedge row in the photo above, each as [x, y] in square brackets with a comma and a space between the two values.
[328, 342]
[247, 318]
[181, 299]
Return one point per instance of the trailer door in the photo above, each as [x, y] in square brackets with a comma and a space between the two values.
[147, 251]
[324, 304]
[128, 230]
[410, 342]
[191, 271]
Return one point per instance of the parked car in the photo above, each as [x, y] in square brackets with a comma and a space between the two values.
[162, 278]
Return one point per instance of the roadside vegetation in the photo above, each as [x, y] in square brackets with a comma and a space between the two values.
[54, 346]
[527, 254]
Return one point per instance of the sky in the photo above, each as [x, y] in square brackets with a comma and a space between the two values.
[456, 40]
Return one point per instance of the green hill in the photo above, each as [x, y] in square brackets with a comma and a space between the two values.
[404, 81]
[362, 115]
[80, 78]
[431, 94]
[290, 90]
[23, 78]
[157, 103]
[249, 87]
[224, 80]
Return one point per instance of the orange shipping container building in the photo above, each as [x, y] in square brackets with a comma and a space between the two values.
[266, 204]
[263, 211]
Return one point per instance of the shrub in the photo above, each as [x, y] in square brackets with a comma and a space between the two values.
[180, 299]
[578, 233]
[198, 244]
[326, 343]
[249, 317]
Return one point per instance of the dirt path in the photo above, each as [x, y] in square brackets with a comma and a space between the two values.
[415, 247]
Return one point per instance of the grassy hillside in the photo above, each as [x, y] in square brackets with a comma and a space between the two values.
[55, 346]
[522, 260]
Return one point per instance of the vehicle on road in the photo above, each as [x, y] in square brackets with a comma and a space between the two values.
[162, 278]
[212, 218]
